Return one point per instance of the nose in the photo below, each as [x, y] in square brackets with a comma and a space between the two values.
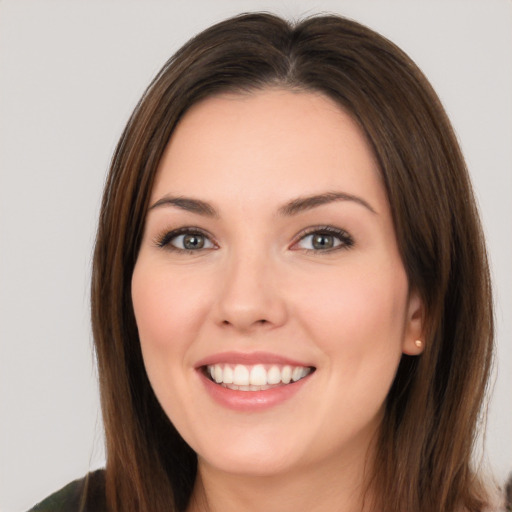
[250, 296]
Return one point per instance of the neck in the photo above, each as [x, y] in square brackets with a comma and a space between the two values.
[339, 485]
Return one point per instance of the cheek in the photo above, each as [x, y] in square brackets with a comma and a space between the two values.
[168, 310]
[358, 318]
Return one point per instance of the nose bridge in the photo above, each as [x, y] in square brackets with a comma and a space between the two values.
[249, 294]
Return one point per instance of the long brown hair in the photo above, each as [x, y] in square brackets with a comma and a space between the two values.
[423, 460]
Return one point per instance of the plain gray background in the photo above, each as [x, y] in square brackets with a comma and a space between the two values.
[70, 74]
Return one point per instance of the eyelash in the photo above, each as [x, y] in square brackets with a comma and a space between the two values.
[164, 240]
[346, 241]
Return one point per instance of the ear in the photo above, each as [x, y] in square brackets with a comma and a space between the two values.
[414, 329]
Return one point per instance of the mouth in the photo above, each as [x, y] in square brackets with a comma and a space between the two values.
[256, 377]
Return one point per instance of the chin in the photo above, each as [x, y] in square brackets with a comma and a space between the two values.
[251, 456]
[253, 465]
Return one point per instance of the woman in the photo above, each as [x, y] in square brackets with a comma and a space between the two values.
[285, 312]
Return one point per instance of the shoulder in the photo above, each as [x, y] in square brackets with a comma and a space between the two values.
[89, 491]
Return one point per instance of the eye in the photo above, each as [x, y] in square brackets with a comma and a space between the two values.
[191, 242]
[185, 239]
[324, 239]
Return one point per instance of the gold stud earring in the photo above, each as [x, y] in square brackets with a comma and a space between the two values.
[418, 343]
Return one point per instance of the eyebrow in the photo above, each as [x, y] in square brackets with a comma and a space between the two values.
[188, 204]
[307, 203]
[293, 207]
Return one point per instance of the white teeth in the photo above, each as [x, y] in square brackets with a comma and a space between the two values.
[241, 375]
[274, 375]
[227, 375]
[257, 377]
[297, 373]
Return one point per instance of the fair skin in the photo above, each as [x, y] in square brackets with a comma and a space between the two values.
[258, 277]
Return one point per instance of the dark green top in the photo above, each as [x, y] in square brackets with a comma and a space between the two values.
[92, 490]
[89, 490]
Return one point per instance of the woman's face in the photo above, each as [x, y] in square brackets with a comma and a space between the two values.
[269, 264]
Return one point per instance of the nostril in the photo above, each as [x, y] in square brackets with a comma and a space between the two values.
[257, 322]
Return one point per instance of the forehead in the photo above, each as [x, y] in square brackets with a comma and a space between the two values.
[274, 142]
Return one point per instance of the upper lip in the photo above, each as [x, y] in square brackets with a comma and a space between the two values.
[249, 358]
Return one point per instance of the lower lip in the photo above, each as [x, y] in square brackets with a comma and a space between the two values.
[251, 401]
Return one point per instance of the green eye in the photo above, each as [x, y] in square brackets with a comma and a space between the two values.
[325, 239]
[189, 242]
[185, 240]
[321, 241]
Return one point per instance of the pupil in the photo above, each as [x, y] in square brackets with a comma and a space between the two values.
[193, 241]
[323, 241]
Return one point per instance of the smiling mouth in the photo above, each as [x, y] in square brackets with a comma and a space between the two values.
[259, 377]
